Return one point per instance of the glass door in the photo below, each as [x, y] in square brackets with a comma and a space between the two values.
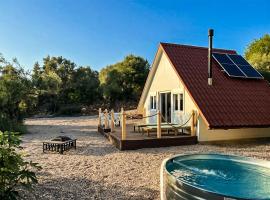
[165, 107]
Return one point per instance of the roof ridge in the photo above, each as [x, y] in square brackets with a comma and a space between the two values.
[194, 46]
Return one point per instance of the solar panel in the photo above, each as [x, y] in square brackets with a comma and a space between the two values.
[222, 58]
[232, 70]
[237, 59]
[245, 67]
[250, 71]
[228, 65]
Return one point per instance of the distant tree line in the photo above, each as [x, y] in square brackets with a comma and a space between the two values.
[59, 86]
[59, 82]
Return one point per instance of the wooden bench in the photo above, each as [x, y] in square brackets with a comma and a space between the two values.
[59, 146]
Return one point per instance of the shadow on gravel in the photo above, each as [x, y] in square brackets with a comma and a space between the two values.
[81, 188]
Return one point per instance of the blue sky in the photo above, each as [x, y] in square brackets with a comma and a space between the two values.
[101, 32]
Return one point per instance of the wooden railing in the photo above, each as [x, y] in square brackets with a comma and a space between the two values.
[109, 119]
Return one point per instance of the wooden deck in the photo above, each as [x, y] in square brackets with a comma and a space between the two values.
[135, 140]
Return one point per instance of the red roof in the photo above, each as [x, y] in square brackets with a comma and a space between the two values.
[229, 102]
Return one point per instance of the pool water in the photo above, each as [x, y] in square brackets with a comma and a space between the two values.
[227, 175]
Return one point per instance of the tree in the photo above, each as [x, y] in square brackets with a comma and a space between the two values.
[59, 82]
[36, 76]
[124, 80]
[15, 93]
[53, 82]
[258, 53]
[50, 88]
[85, 86]
[112, 86]
[64, 69]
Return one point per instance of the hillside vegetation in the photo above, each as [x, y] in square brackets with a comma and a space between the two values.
[58, 86]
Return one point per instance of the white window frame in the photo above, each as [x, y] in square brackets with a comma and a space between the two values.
[183, 108]
[153, 102]
[175, 98]
[177, 95]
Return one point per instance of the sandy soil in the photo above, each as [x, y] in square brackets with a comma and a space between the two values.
[97, 170]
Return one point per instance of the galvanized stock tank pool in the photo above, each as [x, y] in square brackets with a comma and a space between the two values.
[216, 177]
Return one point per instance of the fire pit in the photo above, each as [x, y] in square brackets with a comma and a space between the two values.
[59, 144]
[61, 138]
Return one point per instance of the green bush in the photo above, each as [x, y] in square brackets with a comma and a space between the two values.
[15, 172]
[7, 124]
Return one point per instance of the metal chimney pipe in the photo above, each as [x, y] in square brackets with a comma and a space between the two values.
[210, 39]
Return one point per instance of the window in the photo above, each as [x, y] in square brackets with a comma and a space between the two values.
[153, 102]
[175, 101]
[181, 102]
[178, 102]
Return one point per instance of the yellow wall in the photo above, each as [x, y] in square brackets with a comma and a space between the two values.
[206, 135]
[165, 77]
[189, 105]
[166, 80]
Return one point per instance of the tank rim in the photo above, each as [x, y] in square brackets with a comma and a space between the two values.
[242, 159]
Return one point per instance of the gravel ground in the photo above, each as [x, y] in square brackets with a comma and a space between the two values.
[97, 170]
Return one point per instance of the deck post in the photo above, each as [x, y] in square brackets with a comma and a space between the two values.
[122, 110]
[106, 119]
[193, 123]
[158, 124]
[123, 124]
[112, 120]
[99, 117]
